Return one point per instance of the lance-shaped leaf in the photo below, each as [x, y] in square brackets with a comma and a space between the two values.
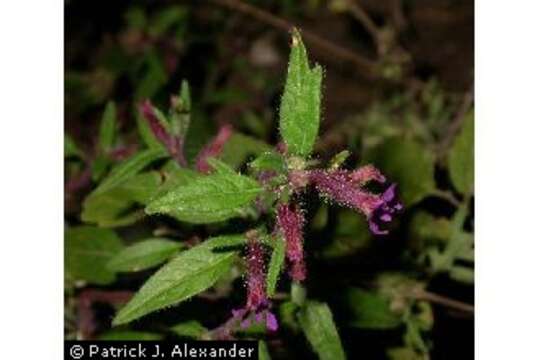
[370, 310]
[462, 274]
[263, 351]
[87, 250]
[120, 205]
[159, 125]
[300, 105]
[239, 147]
[190, 273]
[107, 129]
[180, 111]
[461, 157]
[275, 266]
[110, 207]
[175, 177]
[191, 329]
[269, 161]
[146, 133]
[129, 168]
[316, 321]
[407, 163]
[212, 198]
[144, 255]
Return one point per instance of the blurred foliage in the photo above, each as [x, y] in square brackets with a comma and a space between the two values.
[418, 130]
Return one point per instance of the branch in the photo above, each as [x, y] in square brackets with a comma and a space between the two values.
[366, 66]
[362, 16]
[442, 300]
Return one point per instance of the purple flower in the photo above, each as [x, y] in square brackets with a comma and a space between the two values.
[247, 318]
[345, 188]
[385, 211]
[258, 306]
[290, 221]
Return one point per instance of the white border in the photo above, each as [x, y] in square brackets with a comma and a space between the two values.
[31, 191]
[507, 214]
[507, 103]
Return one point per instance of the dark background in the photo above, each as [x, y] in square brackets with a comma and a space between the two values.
[235, 60]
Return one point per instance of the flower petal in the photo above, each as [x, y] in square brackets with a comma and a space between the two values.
[271, 321]
[375, 229]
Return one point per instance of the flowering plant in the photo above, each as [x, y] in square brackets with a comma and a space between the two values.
[249, 223]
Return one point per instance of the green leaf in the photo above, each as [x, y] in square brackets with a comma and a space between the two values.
[339, 159]
[462, 274]
[104, 208]
[318, 325]
[298, 293]
[124, 335]
[224, 242]
[275, 266]
[185, 96]
[99, 167]
[146, 133]
[300, 105]
[287, 316]
[162, 119]
[87, 251]
[408, 164]
[110, 208]
[125, 219]
[154, 76]
[461, 157]
[177, 177]
[425, 226]
[269, 161]
[413, 336]
[191, 329]
[423, 315]
[459, 247]
[70, 148]
[220, 167]
[141, 187]
[404, 353]
[239, 147]
[352, 236]
[207, 199]
[263, 351]
[107, 129]
[180, 111]
[144, 255]
[190, 273]
[130, 168]
[370, 310]
[167, 18]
